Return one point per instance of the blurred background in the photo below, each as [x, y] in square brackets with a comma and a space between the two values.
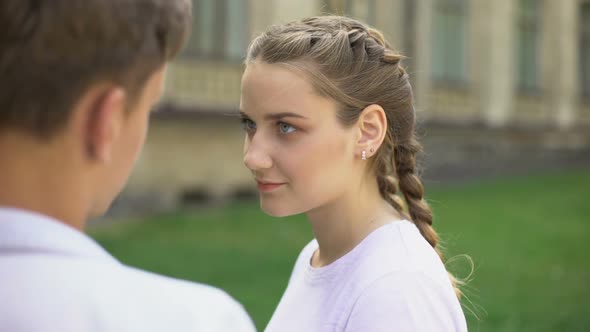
[503, 99]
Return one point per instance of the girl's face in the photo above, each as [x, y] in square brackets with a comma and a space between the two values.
[300, 155]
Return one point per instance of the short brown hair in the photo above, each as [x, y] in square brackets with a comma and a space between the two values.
[51, 51]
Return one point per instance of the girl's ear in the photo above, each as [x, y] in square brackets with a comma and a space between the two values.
[372, 128]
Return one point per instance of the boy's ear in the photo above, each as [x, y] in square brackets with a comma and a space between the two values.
[372, 128]
[101, 117]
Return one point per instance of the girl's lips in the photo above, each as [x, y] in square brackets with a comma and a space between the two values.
[265, 186]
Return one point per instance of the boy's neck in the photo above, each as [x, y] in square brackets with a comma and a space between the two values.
[38, 178]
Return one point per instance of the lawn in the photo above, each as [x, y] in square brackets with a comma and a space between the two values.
[529, 238]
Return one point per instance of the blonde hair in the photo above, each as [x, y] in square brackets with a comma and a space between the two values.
[354, 65]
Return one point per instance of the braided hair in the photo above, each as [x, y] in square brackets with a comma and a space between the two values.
[354, 65]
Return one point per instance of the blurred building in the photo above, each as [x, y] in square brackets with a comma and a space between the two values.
[513, 74]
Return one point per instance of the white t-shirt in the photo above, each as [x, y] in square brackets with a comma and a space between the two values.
[392, 281]
[55, 278]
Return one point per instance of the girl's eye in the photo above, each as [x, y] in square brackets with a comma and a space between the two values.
[248, 124]
[285, 128]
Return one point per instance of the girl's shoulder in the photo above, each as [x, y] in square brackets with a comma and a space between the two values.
[401, 273]
[411, 301]
[398, 248]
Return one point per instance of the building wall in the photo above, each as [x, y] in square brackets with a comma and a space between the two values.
[187, 153]
[198, 145]
[488, 92]
[584, 115]
[203, 85]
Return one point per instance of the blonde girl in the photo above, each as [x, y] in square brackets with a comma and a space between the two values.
[329, 118]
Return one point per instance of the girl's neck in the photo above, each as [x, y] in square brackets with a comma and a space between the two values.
[342, 224]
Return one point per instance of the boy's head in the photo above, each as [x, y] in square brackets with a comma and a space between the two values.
[79, 77]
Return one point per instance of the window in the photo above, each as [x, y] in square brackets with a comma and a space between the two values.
[585, 49]
[220, 30]
[332, 7]
[363, 10]
[409, 44]
[527, 48]
[449, 40]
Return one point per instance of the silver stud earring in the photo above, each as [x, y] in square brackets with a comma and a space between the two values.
[364, 155]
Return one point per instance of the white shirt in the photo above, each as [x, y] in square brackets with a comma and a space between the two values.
[55, 278]
[392, 281]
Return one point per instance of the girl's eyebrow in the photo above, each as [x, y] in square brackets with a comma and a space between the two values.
[276, 116]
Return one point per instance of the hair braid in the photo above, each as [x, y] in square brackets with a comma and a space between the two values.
[413, 192]
[388, 187]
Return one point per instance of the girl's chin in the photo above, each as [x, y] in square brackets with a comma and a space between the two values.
[276, 210]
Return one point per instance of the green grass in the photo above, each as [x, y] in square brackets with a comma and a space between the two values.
[529, 238]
